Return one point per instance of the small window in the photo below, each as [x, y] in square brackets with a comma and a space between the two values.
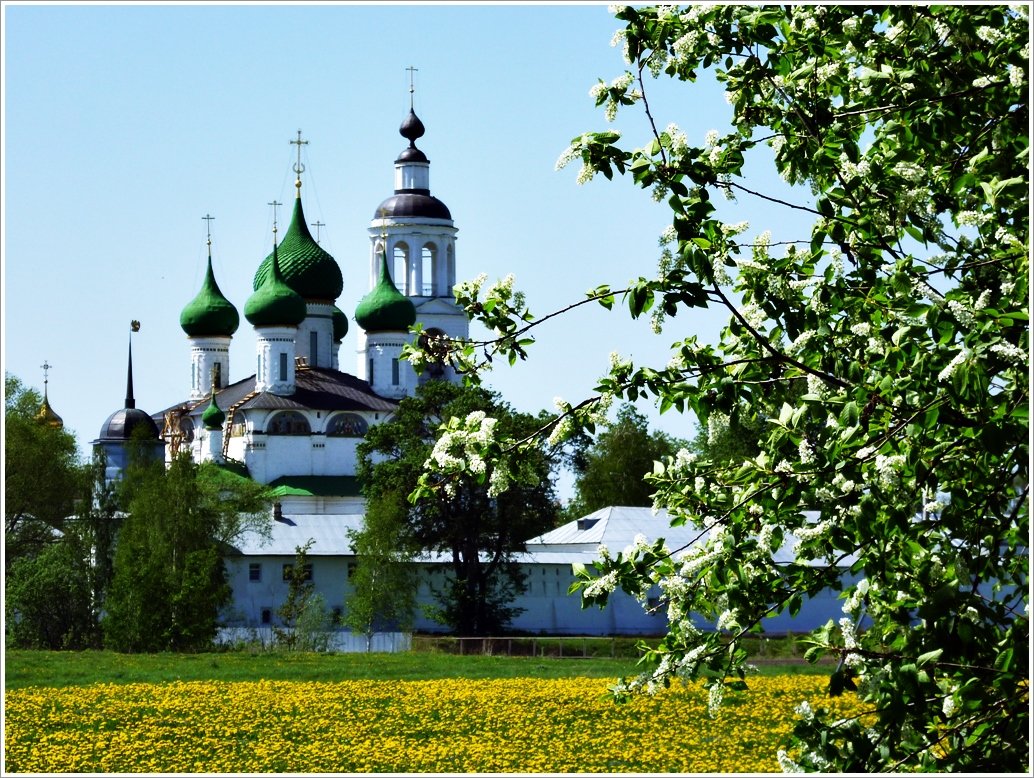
[255, 571]
[371, 370]
[351, 570]
[283, 366]
[288, 423]
[267, 616]
[347, 425]
[394, 372]
[312, 348]
[187, 429]
[288, 568]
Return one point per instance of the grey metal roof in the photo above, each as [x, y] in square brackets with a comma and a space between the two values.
[328, 531]
[615, 527]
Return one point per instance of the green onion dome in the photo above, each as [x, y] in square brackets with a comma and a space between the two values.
[213, 417]
[275, 303]
[385, 308]
[307, 268]
[210, 313]
[340, 324]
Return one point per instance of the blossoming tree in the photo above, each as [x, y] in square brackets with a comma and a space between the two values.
[479, 503]
[893, 335]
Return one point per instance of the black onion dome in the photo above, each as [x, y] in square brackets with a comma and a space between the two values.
[408, 204]
[412, 154]
[121, 424]
[412, 128]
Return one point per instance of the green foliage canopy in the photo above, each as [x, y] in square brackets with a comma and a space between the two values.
[895, 331]
[384, 581]
[478, 517]
[48, 598]
[42, 474]
[169, 583]
[614, 467]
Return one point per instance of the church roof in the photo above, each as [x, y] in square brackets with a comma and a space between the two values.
[385, 308]
[209, 313]
[306, 267]
[412, 204]
[120, 425]
[316, 486]
[316, 388]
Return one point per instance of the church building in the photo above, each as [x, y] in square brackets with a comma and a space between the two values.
[296, 421]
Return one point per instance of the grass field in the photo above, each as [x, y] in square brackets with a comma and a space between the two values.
[412, 712]
[78, 668]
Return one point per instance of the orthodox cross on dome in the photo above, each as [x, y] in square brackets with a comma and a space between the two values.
[317, 224]
[208, 227]
[46, 367]
[411, 70]
[299, 168]
[274, 204]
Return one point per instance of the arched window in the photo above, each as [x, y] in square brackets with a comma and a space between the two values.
[429, 269]
[187, 429]
[288, 423]
[400, 267]
[347, 425]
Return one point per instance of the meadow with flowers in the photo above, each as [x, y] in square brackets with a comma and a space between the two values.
[437, 725]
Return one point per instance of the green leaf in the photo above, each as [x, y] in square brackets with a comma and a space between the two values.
[929, 656]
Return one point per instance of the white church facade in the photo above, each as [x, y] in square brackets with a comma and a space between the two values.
[296, 421]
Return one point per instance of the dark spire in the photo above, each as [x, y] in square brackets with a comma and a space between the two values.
[134, 326]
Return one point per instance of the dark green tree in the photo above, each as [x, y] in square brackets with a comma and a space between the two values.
[477, 520]
[49, 598]
[169, 583]
[613, 468]
[384, 579]
[43, 477]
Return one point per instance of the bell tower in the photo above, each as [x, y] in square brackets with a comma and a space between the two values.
[412, 234]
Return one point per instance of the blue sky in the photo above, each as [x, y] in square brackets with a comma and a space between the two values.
[125, 125]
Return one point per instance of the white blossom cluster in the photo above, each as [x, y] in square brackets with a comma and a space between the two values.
[461, 448]
[786, 764]
[888, 469]
[1010, 352]
[605, 584]
[854, 603]
[950, 368]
